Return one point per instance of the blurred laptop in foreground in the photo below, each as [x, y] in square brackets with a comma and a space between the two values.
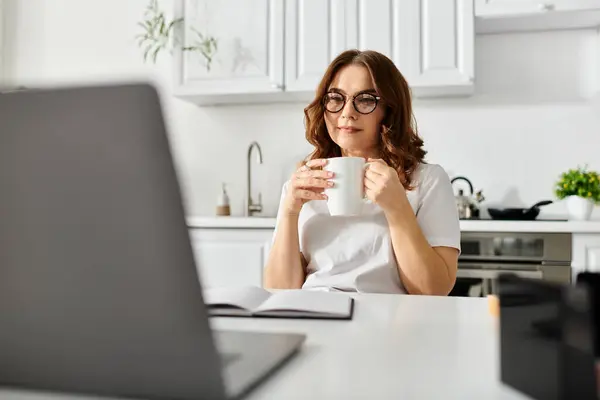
[99, 292]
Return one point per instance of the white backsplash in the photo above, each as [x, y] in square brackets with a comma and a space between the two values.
[532, 117]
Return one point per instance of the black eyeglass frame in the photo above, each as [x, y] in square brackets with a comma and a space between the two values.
[346, 98]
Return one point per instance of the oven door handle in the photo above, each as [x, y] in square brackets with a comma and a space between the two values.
[480, 270]
[494, 273]
[507, 266]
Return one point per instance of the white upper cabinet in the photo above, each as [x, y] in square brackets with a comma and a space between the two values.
[373, 25]
[278, 50]
[598, 66]
[315, 35]
[497, 16]
[443, 40]
[521, 7]
[431, 42]
[238, 47]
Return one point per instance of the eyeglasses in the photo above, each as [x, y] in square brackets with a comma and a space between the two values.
[364, 103]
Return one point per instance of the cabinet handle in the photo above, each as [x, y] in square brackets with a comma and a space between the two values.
[277, 86]
[546, 7]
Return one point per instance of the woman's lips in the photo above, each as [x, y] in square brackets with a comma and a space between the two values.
[348, 129]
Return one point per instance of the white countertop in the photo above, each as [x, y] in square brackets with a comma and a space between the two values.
[465, 226]
[531, 226]
[413, 347]
[232, 222]
[395, 347]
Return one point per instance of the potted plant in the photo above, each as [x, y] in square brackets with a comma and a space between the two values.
[581, 190]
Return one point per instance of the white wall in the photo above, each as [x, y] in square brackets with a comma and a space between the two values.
[531, 119]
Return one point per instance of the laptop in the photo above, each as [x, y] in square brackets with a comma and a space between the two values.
[99, 291]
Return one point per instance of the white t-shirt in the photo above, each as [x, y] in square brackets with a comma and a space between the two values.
[355, 253]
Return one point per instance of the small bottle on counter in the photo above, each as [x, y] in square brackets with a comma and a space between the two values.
[223, 207]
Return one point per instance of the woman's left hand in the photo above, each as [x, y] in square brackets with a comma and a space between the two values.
[382, 185]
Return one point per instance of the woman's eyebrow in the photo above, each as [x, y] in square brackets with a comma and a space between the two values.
[338, 90]
[372, 91]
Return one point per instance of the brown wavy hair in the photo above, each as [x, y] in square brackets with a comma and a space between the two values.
[400, 145]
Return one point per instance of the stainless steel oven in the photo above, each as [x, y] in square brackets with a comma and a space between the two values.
[485, 255]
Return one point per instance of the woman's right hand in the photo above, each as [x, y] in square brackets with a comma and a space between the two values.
[307, 183]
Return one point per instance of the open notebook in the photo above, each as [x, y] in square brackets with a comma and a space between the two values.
[253, 301]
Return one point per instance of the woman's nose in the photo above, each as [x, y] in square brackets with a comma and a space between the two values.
[348, 111]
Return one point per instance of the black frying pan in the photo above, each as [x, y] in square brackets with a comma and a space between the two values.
[521, 214]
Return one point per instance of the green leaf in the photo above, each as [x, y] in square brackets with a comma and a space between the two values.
[161, 25]
[155, 54]
[147, 51]
[172, 24]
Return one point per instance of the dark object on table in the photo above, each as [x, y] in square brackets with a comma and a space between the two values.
[592, 281]
[519, 214]
[547, 336]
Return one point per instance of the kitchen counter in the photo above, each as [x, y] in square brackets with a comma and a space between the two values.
[395, 347]
[530, 226]
[232, 222]
[413, 347]
[465, 226]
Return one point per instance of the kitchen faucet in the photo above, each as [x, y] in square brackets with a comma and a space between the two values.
[252, 208]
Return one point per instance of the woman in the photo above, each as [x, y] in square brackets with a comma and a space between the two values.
[408, 238]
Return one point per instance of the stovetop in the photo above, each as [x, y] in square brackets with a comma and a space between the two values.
[519, 220]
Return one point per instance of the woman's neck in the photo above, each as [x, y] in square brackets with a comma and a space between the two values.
[366, 154]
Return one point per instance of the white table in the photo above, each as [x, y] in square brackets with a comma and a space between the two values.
[396, 347]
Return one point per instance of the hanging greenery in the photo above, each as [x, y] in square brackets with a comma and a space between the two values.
[158, 35]
[157, 31]
[206, 45]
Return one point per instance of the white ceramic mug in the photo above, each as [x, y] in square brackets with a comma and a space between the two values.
[346, 197]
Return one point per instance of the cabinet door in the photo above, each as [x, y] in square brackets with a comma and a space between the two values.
[315, 35]
[443, 39]
[373, 25]
[492, 8]
[231, 257]
[586, 253]
[598, 65]
[432, 43]
[248, 57]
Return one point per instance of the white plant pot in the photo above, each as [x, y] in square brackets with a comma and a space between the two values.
[579, 208]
